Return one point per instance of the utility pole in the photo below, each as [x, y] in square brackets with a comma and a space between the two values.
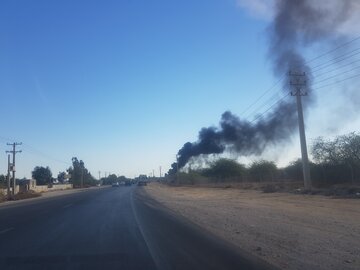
[99, 175]
[14, 152]
[177, 169]
[8, 178]
[160, 171]
[298, 86]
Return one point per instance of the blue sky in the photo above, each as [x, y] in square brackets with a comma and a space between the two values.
[123, 85]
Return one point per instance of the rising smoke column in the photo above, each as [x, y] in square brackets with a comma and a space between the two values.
[297, 24]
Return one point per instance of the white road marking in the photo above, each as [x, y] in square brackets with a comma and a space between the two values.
[68, 205]
[6, 230]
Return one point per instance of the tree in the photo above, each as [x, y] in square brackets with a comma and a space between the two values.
[343, 149]
[79, 174]
[42, 175]
[339, 158]
[225, 168]
[2, 180]
[61, 177]
[263, 170]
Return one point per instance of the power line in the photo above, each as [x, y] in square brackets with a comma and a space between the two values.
[286, 95]
[307, 62]
[271, 99]
[340, 67]
[32, 150]
[336, 75]
[272, 106]
[337, 82]
[334, 49]
[338, 60]
[262, 95]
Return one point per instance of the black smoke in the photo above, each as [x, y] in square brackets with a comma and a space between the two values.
[297, 24]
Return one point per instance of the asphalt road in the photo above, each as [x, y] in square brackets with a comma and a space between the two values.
[109, 228]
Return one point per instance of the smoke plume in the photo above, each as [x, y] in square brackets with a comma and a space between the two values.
[297, 24]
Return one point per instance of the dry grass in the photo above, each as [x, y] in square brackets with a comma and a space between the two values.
[291, 231]
[25, 195]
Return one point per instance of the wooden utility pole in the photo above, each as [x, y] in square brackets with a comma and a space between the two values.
[298, 85]
[14, 152]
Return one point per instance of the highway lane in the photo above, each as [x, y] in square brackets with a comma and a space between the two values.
[109, 228]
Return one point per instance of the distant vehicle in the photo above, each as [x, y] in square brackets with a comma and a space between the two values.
[116, 184]
[127, 183]
[142, 183]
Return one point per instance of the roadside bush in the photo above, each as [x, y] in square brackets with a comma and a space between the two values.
[337, 160]
[225, 169]
[191, 178]
[262, 170]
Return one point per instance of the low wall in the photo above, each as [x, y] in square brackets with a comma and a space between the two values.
[3, 191]
[39, 188]
[61, 187]
[45, 188]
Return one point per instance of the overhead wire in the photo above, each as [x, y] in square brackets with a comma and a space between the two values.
[272, 106]
[32, 150]
[335, 69]
[338, 60]
[334, 49]
[262, 95]
[336, 75]
[337, 82]
[317, 68]
[320, 67]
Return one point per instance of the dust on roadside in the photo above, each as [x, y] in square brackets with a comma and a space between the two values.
[290, 231]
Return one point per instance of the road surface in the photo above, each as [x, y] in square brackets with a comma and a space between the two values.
[108, 228]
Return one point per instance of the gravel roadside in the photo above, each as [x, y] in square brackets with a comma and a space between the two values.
[287, 230]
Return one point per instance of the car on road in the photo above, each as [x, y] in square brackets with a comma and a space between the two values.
[127, 183]
[142, 183]
[116, 184]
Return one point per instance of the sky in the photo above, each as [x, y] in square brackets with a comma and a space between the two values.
[122, 85]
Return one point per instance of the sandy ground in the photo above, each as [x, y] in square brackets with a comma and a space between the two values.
[288, 230]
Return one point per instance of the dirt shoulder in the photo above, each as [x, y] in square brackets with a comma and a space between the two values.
[287, 230]
[43, 195]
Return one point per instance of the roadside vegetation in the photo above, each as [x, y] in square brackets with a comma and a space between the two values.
[335, 167]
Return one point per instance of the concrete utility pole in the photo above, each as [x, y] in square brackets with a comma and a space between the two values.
[160, 171]
[8, 178]
[99, 175]
[14, 152]
[298, 85]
